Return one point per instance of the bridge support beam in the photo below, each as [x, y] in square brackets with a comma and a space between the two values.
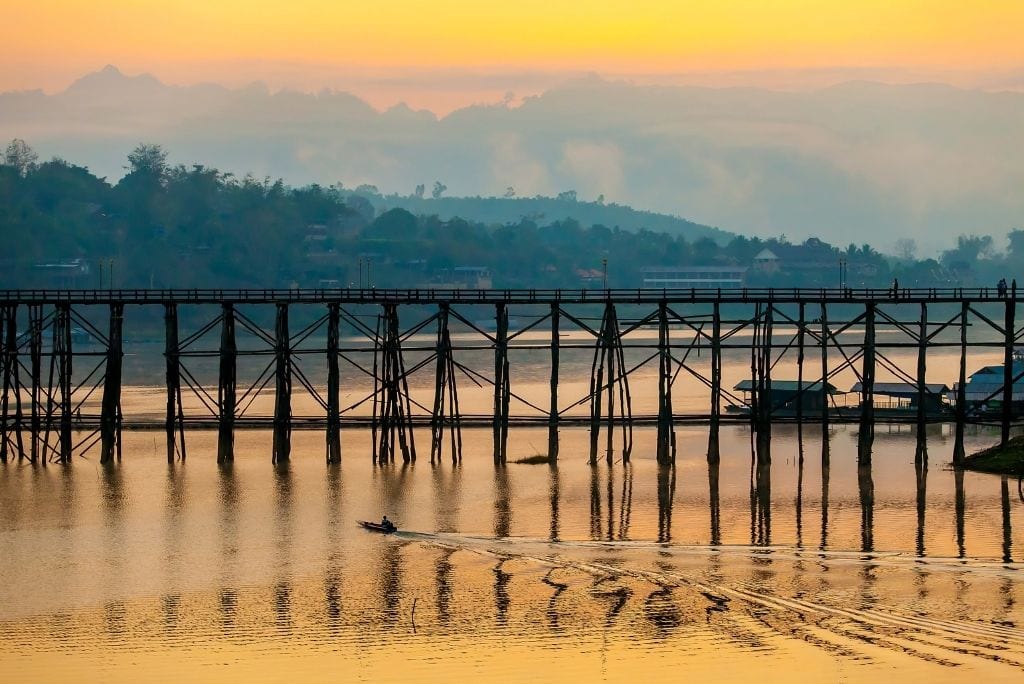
[921, 453]
[502, 386]
[62, 356]
[825, 396]
[174, 419]
[961, 390]
[35, 326]
[446, 411]
[333, 384]
[226, 386]
[553, 409]
[283, 386]
[396, 408]
[866, 437]
[609, 354]
[666, 436]
[1009, 333]
[716, 383]
[6, 359]
[110, 412]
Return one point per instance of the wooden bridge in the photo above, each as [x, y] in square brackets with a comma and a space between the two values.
[823, 332]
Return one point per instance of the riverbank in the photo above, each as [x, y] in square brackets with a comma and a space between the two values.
[1002, 460]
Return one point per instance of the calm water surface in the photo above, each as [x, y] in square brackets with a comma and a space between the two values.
[528, 572]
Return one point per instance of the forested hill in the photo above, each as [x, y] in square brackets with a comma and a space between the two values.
[542, 210]
[176, 226]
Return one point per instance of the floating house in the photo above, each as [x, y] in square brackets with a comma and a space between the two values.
[904, 395]
[787, 395]
[984, 390]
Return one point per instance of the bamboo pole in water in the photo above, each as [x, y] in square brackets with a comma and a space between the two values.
[921, 453]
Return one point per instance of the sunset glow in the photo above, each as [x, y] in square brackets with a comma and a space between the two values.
[187, 39]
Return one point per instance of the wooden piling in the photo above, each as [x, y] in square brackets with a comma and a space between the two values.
[226, 386]
[716, 382]
[333, 384]
[801, 327]
[665, 452]
[922, 387]
[824, 371]
[446, 410]
[502, 385]
[12, 378]
[35, 325]
[866, 436]
[1009, 335]
[961, 390]
[553, 407]
[174, 420]
[110, 412]
[283, 387]
[7, 359]
[62, 353]
[395, 406]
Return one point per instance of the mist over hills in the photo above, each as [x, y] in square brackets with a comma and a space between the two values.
[860, 162]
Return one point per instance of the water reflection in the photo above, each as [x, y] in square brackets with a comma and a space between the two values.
[228, 528]
[866, 492]
[921, 478]
[761, 495]
[174, 516]
[309, 575]
[501, 595]
[960, 506]
[113, 498]
[444, 586]
[666, 493]
[713, 501]
[284, 530]
[502, 502]
[555, 495]
[332, 573]
[1004, 500]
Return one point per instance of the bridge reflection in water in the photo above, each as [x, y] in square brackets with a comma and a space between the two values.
[784, 550]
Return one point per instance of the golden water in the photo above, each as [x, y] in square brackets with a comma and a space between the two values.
[146, 572]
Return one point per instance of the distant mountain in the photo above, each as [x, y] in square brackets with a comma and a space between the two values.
[859, 162]
[547, 210]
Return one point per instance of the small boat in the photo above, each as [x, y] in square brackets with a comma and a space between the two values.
[377, 527]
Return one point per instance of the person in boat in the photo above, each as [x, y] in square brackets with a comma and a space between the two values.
[386, 524]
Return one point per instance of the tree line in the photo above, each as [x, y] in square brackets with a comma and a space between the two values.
[163, 225]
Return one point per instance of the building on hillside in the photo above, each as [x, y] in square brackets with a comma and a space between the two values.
[64, 273]
[811, 258]
[700, 277]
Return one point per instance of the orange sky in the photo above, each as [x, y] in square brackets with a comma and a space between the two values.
[47, 44]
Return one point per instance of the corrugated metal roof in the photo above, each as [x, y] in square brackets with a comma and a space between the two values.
[788, 386]
[903, 389]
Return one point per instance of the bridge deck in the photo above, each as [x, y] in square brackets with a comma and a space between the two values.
[509, 296]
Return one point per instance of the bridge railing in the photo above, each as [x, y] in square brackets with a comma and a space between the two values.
[428, 295]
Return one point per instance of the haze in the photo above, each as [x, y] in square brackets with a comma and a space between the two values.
[788, 117]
